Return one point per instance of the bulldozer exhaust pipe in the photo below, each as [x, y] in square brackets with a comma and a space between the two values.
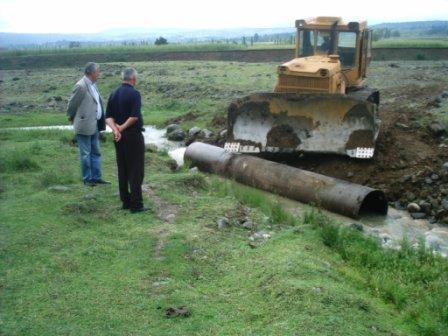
[335, 195]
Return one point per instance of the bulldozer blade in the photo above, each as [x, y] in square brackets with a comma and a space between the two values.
[303, 122]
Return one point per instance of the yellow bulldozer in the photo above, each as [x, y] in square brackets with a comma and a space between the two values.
[320, 103]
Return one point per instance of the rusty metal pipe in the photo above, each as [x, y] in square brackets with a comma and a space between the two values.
[329, 193]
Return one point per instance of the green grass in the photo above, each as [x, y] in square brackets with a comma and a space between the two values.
[127, 49]
[73, 263]
[411, 43]
[204, 47]
[169, 90]
[24, 119]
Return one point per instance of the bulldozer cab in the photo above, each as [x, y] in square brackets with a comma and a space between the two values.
[319, 103]
[330, 36]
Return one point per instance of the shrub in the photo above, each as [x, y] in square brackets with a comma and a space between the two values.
[161, 41]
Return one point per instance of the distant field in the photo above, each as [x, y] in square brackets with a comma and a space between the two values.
[412, 43]
[203, 47]
[135, 48]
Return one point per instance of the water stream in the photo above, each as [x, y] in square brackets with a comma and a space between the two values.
[390, 229]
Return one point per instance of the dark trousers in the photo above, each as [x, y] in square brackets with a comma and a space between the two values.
[130, 152]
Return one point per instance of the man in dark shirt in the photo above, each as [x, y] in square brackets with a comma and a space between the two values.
[124, 117]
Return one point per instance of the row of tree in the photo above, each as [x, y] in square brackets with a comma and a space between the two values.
[384, 33]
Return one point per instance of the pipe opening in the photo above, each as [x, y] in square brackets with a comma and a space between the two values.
[374, 203]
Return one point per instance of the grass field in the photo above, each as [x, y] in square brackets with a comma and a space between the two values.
[73, 263]
[412, 43]
[169, 90]
[203, 47]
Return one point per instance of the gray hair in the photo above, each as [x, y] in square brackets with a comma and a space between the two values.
[91, 67]
[128, 74]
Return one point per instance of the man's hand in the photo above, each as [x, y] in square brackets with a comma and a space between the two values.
[120, 128]
[117, 135]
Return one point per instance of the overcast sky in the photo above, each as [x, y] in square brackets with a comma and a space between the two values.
[89, 16]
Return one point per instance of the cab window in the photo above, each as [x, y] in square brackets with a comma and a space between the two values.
[323, 44]
[306, 43]
[347, 48]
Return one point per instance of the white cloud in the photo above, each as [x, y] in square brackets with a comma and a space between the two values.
[97, 15]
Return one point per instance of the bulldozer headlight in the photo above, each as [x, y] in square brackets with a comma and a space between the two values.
[323, 72]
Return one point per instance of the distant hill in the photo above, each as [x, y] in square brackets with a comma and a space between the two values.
[173, 35]
[115, 36]
[411, 25]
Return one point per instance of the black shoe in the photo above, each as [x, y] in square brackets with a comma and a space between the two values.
[142, 209]
[90, 184]
[102, 182]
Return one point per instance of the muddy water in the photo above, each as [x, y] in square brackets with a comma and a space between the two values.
[399, 225]
[390, 230]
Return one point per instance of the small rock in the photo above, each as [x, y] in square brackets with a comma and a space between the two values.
[434, 203]
[176, 135]
[206, 134]
[445, 166]
[223, 223]
[445, 204]
[260, 235]
[425, 207]
[223, 134]
[444, 94]
[418, 215]
[436, 128]
[194, 132]
[194, 170]
[413, 207]
[350, 174]
[89, 197]
[248, 224]
[59, 188]
[172, 127]
[357, 226]
[428, 180]
[435, 177]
